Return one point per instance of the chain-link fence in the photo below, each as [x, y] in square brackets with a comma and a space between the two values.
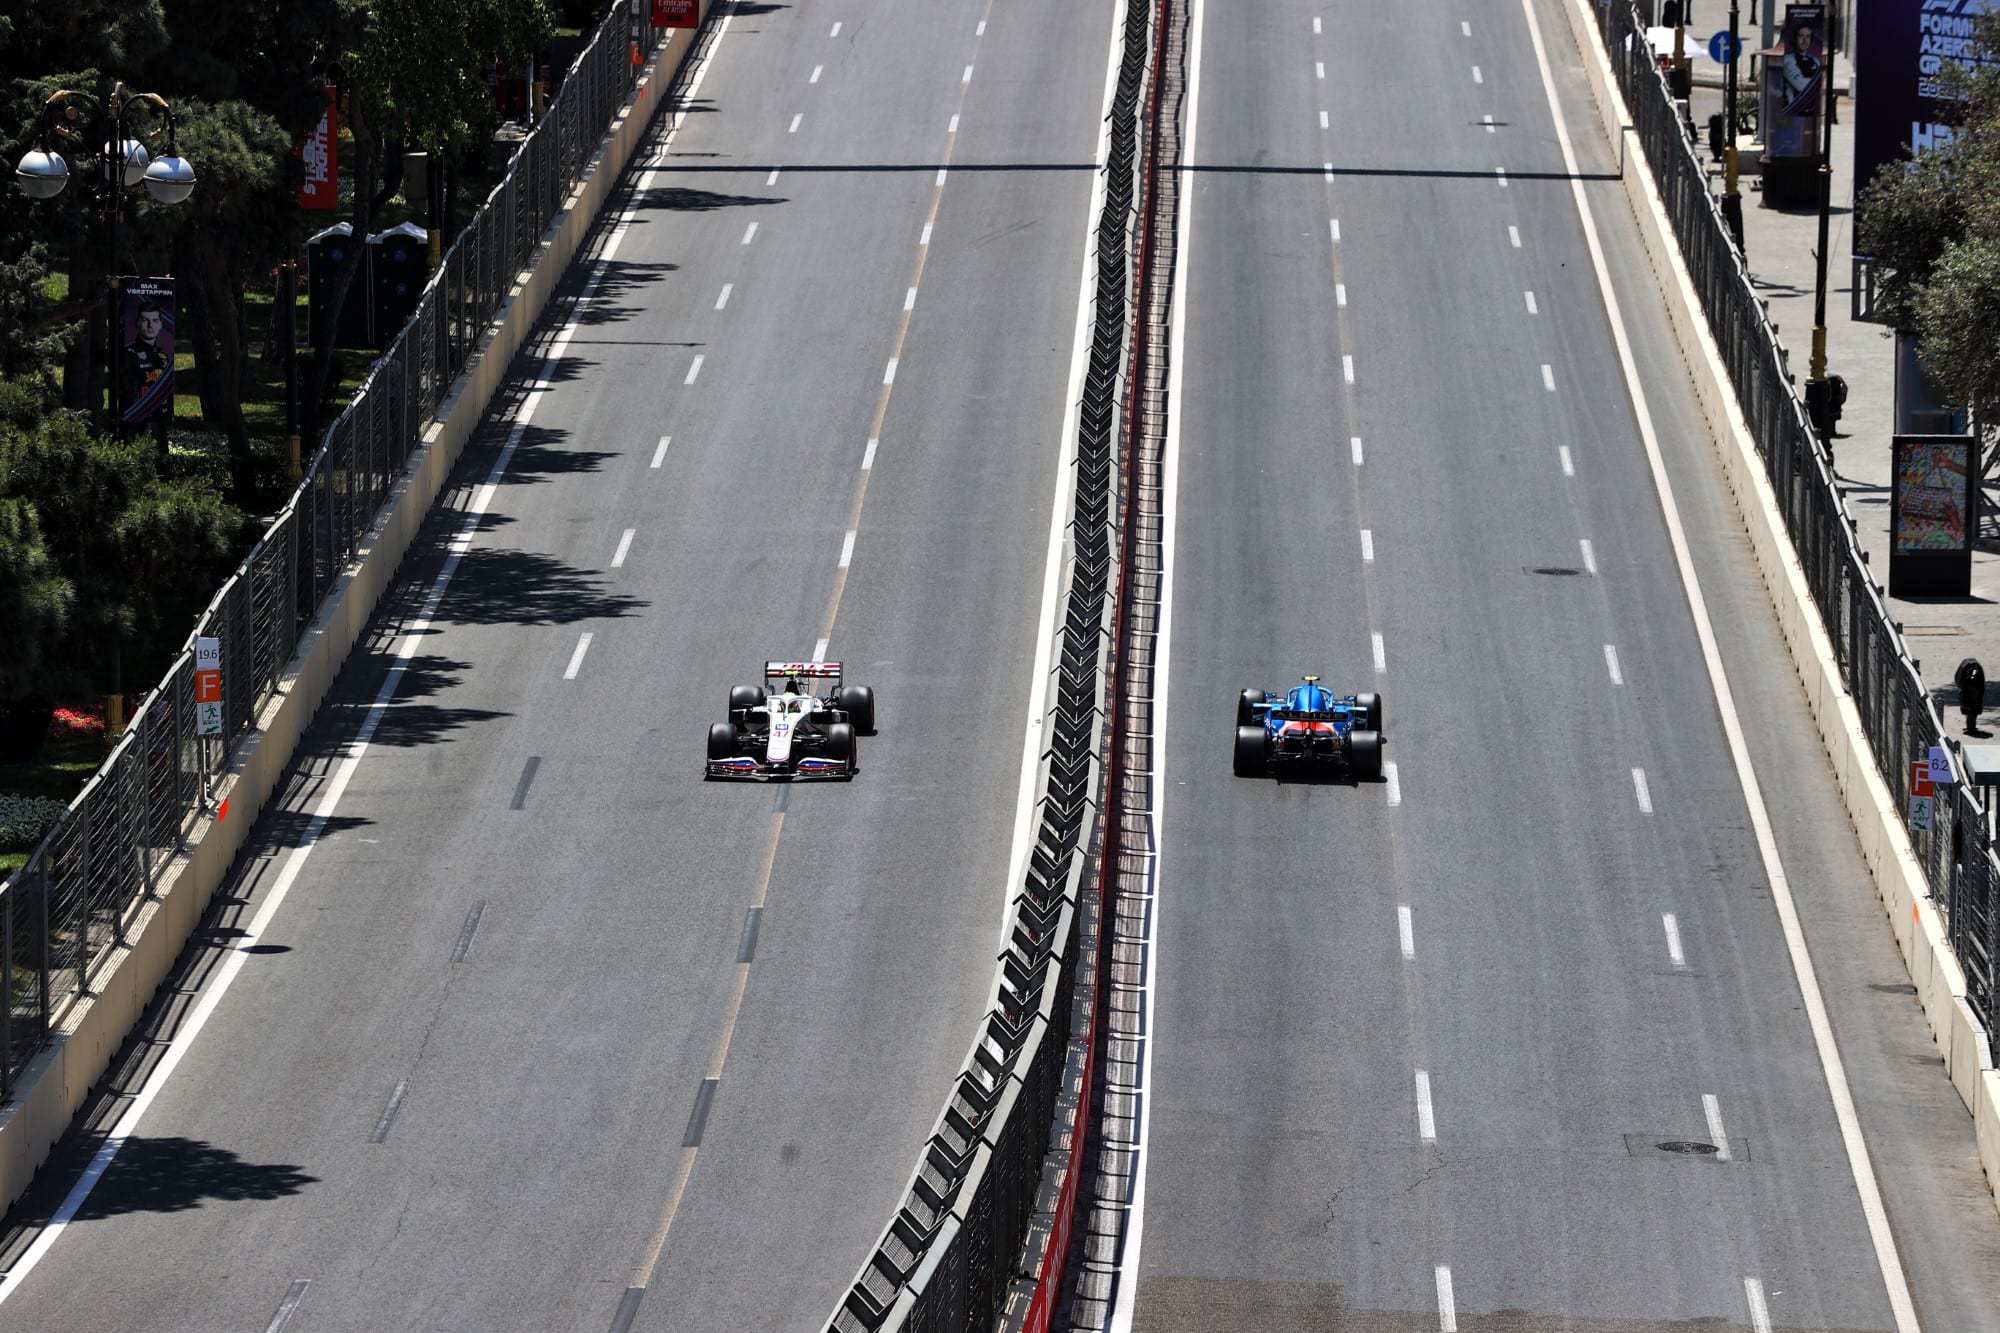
[63, 912]
[1902, 722]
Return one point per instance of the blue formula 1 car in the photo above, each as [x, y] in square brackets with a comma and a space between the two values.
[1308, 727]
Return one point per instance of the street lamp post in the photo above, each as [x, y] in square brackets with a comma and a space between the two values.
[1732, 198]
[1819, 390]
[83, 125]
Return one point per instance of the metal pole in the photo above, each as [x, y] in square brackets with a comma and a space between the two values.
[288, 310]
[1732, 198]
[1819, 393]
[114, 175]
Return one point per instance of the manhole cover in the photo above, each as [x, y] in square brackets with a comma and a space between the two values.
[1552, 569]
[1689, 1147]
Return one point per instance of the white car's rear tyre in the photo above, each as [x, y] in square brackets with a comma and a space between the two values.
[743, 698]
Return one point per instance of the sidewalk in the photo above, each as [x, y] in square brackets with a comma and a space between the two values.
[1778, 247]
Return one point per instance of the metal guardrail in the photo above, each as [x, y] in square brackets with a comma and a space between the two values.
[1896, 710]
[968, 1244]
[63, 913]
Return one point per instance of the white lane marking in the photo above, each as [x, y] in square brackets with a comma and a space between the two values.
[660, 454]
[1465, 28]
[1477, 77]
[942, 173]
[952, 127]
[819, 651]
[772, 179]
[1427, 1129]
[1549, 378]
[1340, 293]
[1569, 465]
[835, 32]
[967, 76]
[1501, 172]
[1319, 69]
[1532, 308]
[980, 31]
[576, 658]
[624, 548]
[1447, 1306]
[1487, 121]
[1712, 1110]
[1406, 932]
[128, 1123]
[1334, 223]
[1315, 24]
[1611, 664]
[1760, 1313]
[795, 123]
[1514, 235]
[910, 299]
[749, 232]
[1355, 443]
[815, 73]
[1390, 776]
[925, 239]
[1381, 655]
[723, 299]
[1675, 954]
[1347, 368]
[1589, 555]
[1640, 790]
[868, 454]
[1322, 120]
[889, 372]
[1859, 1162]
[847, 550]
[1135, 1218]
[1326, 169]
[694, 367]
[1367, 546]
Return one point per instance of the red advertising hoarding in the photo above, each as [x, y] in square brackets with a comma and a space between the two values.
[320, 185]
[674, 13]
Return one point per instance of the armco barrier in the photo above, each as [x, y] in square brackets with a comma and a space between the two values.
[1862, 686]
[976, 1231]
[101, 911]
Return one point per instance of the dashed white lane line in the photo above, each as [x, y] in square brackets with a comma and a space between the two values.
[1465, 28]
[1381, 655]
[1406, 932]
[1487, 121]
[868, 455]
[1589, 555]
[1711, 1110]
[1569, 464]
[952, 126]
[772, 179]
[1315, 25]
[980, 31]
[1760, 1313]
[1514, 236]
[1427, 1129]
[1533, 309]
[1501, 172]
[819, 651]
[816, 73]
[1447, 1304]
[660, 454]
[1322, 120]
[1319, 69]
[1355, 443]
[1340, 293]
[723, 299]
[1367, 547]
[910, 299]
[624, 548]
[1640, 790]
[694, 367]
[1347, 368]
[889, 372]
[795, 123]
[925, 239]
[1326, 170]
[1611, 664]
[749, 233]
[835, 32]
[942, 173]
[576, 658]
[847, 550]
[1549, 378]
[967, 76]
[1477, 77]
[1675, 954]
[1334, 224]
[1389, 776]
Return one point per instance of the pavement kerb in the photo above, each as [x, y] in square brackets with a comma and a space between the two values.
[59, 1079]
[1871, 807]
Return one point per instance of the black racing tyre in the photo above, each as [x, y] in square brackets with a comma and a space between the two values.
[1364, 754]
[858, 702]
[743, 698]
[1370, 706]
[722, 741]
[1246, 707]
[1253, 751]
[840, 743]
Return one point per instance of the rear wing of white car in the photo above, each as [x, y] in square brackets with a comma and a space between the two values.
[801, 670]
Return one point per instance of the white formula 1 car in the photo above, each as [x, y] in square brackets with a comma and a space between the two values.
[784, 730]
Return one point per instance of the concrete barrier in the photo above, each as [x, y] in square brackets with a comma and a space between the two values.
[1871, 807]
[56, 1083]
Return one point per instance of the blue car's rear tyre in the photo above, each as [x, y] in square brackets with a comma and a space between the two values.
[1246, 707]
[1364, 754]
[1370, 707]
[1253, 752]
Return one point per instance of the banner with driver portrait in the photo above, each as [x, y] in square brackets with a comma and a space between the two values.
[146, 363]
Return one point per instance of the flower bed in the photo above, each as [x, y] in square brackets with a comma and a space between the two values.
[24, 820]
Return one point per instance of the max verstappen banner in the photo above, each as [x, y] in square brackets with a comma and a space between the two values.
[1794, 76]
[320, 186]
[1899, 48]
[146, 370]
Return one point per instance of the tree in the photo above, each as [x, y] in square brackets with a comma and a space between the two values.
[1933, 227]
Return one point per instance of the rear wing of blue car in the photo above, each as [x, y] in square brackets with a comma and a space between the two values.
[1305, 715]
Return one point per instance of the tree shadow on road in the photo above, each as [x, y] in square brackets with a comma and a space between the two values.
[173, 1175]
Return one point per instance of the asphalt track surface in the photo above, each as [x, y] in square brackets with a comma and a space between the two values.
[436, 1120]
[1302, 1172]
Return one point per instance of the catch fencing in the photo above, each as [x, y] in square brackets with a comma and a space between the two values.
[63, 914]
[982, 1234]
[1898, 713]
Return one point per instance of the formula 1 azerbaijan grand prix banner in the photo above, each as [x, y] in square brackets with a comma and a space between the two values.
[1899, 46]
